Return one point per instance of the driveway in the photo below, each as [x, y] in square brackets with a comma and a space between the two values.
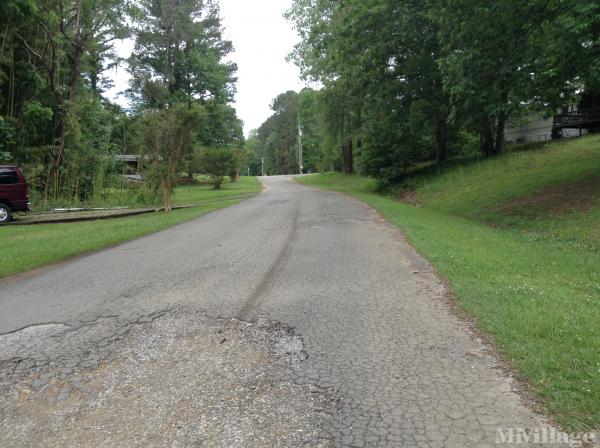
[340, 333]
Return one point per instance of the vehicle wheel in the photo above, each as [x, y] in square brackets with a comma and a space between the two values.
[5, 215]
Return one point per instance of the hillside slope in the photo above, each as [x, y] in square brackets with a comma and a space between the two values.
[517, 237]
[553, 191]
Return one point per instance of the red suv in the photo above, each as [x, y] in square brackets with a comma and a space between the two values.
[14, 193]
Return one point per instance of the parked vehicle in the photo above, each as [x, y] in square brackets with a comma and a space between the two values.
[14, 193]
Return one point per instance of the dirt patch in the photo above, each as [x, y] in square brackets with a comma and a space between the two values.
[181, 380]
[575, 197]
[409, 197]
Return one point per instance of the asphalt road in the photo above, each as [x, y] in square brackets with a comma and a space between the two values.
[373, 317]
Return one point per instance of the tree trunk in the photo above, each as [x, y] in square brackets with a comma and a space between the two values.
[64, 106]
[53, 181]
[500, 126]
[486, 137]
[347, 156]
[441, 137]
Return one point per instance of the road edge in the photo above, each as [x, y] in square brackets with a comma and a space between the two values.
[31, 273]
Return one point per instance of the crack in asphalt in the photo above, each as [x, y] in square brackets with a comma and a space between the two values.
[26, 327]
[180, 379]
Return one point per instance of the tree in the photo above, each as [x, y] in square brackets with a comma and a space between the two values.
[218, 163]
[238, 156]
[179, 54]
[488, 60]
[278, 135]
[403, 78]
[377, 61]
[51, 46]
[569, 61]
[166, 134]
[313, 132]
[325, 55]
[253, 154]
[54, 121]
[177, 65]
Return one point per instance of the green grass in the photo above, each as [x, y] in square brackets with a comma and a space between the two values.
[193, 193]
[140, 197]
[549, 177]
[28, 247]
[531, 281]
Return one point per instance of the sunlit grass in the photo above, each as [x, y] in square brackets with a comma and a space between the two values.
[29, 247]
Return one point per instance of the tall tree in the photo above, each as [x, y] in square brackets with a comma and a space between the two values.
[312, 128]
[323, 55]
[278, 135]
[569, 62]
[178, 61]
[179, 54]
[489, 59]
[377, 61]
[57, 39]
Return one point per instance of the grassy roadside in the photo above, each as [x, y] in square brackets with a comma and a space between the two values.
[532, 280]
[190, 194]
[29, 247]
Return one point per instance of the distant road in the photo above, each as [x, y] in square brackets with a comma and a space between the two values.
[372, 314]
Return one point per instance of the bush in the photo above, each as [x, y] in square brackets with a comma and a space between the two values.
[238, 161]
[218, 163]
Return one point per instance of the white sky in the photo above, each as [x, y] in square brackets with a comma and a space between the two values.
[262, 39]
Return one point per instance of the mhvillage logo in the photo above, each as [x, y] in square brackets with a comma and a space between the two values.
[545, 436]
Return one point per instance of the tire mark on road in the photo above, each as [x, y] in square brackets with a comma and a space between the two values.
[270, 277]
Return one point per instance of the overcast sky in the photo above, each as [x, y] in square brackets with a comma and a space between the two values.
[262, 39]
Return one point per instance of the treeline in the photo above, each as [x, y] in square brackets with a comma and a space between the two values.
[297, 119]
[406, 81]
[56, 62]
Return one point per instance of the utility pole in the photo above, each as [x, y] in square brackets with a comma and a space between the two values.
[300, 147]
[262, 168]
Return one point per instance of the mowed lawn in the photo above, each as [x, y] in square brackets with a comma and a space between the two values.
[518, 239]
[192, 194]
[29, 247]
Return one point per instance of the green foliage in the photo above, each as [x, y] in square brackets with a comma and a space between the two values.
[218, 163]
[277, 140]
[571, 58]
[184, 85]
[409, 81]
[54, 123]
[222, 129]
[253, 153]
[314, 152]
[179, 53]
[5, 157]
[238, 162]
[6, 138]
[166, 133]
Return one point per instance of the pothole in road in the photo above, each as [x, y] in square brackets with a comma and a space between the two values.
[182, 379]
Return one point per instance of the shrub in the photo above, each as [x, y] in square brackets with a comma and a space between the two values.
[218, 163]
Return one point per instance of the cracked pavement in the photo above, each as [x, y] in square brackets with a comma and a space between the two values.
[387, 362]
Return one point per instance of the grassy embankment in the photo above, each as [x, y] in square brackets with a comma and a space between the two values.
[518, 238]
[29, 247]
